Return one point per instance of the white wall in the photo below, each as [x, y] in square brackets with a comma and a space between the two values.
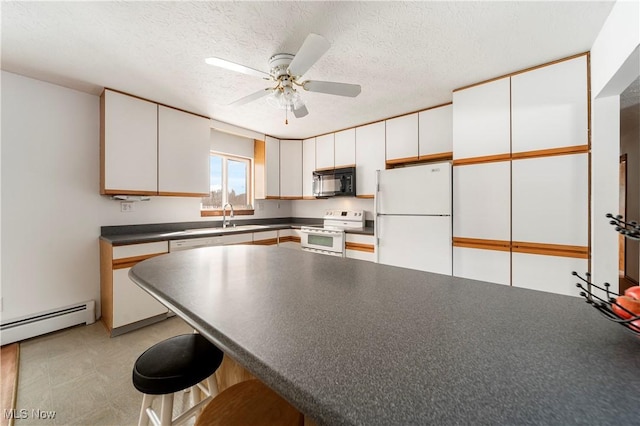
[614, 65]
[51, 207]
[614, 46]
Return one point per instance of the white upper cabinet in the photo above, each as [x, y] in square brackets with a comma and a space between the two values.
[129, 145]
[370, 141]
[481, 120]
[272, 167]
[291, 169]
[551, 200]
[308, 166]
[402, 138]
[435, 133]
[345, 148]
[183, 153]
[549, 106]
[325, 152]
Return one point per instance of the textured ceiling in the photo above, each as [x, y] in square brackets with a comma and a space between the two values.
[406, 55]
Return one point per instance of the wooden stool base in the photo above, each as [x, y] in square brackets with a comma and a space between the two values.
[249, 403]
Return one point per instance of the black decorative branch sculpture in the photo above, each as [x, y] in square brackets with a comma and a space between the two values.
[630, 230]
[607, 301]
[606, 304]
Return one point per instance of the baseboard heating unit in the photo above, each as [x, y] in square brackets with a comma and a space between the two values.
[46, 322]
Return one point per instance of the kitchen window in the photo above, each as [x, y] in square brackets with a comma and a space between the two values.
[229, 182]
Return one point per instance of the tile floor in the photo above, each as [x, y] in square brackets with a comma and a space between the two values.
[84, 376]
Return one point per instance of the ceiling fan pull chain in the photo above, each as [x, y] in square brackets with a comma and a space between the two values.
[286, 115]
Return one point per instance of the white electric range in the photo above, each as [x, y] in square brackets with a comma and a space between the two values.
[329, 238]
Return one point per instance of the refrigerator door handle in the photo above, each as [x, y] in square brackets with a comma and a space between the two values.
[376, 216]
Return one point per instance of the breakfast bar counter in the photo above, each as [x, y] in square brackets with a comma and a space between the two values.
[354, 342]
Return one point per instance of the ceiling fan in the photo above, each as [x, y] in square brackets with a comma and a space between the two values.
[286, 70]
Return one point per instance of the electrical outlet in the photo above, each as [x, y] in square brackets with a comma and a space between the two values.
[260, 205]
[127, 206]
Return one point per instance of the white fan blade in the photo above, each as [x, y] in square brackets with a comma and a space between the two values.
[332, 88]
[312, 49]
[300, 112]
[252, 97]
[236, 67]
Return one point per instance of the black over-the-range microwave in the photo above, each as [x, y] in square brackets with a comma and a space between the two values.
[336, 182]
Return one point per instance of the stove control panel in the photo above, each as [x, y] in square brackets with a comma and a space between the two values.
[348, 219]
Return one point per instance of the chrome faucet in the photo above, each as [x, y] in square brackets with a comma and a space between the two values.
[224, 216]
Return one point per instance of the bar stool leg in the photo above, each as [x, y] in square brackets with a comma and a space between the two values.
[166, 411]
[147, 400]
[212, 383]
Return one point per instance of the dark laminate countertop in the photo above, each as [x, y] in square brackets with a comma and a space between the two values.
[136, 234]
[354, 342]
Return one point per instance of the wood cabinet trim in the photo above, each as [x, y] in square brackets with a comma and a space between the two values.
[368, 196]
[183, 194]
[205, 213]
[289, 239]
[441, 156]
[422, 159]
[483, 244]
[566, 150]
[106, 284]
[481, 160]
[127, 262]
[291, 197]
[103, 148]
[580, 252]
[394, 161]
[368, 248]
[523, 71]
[128, 192]
[266, 242]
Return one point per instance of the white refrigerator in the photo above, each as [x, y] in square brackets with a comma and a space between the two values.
[413, 217]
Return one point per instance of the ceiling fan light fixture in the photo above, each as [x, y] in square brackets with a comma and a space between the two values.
[285, 70]
[286, 98]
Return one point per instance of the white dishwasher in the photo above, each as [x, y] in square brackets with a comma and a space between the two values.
[192, 243]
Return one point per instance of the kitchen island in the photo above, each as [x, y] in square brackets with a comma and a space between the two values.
[354, 342]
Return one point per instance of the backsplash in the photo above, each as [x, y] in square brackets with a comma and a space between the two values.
[316, 208]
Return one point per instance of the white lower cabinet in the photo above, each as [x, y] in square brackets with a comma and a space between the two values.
[289, 238]
[360, 247]
[130, 302]
[547, 273]
[244, 238]
[123, 302]
[493, 266]
[266, 238]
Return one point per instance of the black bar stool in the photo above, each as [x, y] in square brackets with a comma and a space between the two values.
[179, 363]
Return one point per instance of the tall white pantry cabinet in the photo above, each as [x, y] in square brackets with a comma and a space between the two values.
[521, 178]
